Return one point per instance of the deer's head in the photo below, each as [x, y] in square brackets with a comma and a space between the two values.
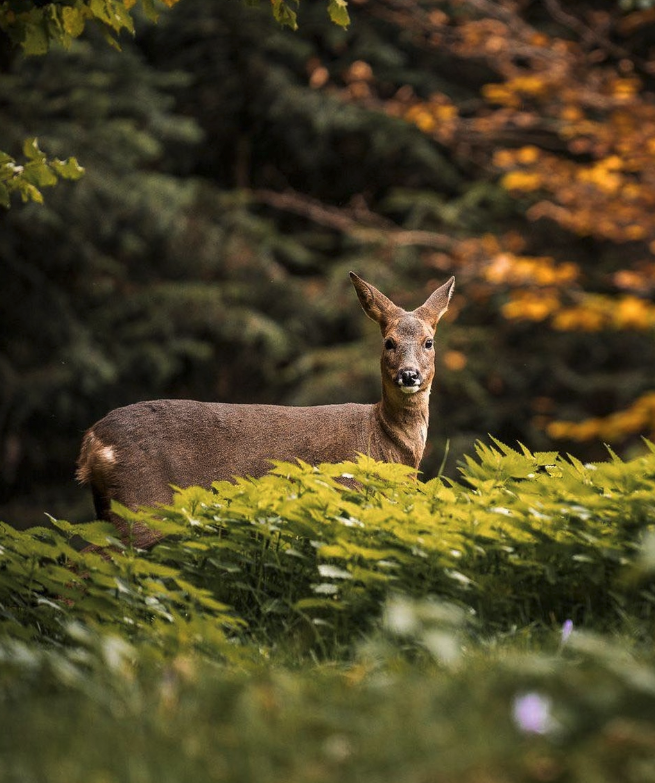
[408, 337]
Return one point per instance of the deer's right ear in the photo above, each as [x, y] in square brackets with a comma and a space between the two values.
[437, 304]
[376, 305]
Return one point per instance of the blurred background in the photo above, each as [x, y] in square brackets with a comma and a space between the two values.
[237, 170]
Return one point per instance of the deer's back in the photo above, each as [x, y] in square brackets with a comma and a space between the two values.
[135, 453]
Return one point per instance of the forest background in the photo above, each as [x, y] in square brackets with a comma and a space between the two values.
[236, 170]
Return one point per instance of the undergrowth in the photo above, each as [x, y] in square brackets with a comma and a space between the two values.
[339, 609]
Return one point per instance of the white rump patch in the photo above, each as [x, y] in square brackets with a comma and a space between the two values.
[107, 455]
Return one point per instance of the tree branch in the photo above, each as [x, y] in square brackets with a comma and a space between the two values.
[358, 222]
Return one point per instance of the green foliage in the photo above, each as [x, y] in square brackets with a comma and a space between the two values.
[38, 172]
[373, 722]
[338, 11]
[436, 658]
[526, 539]
[38, 27]
[285, 15]
[313, 554]
[51, 593]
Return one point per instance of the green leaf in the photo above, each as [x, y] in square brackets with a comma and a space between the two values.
[150, 10]
[29, 192]
[68, 169]
[35, 40]
[284, 15]
[73, 21]
[101, 10]
[338, 11]
[31, 150]
[96, 532]
[120, 17]
[110, 39]
[40, 174]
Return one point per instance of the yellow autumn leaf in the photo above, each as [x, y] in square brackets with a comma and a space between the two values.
[455, 361]
[500, 94]
[580, 319]
[529, 306]
[625, 88]
[633, 313]
[522, 180]
[530, 85]
[503, 159]
[637, 418]
[529, 154]
[421, 117]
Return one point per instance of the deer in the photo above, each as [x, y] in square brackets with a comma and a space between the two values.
[136, 454]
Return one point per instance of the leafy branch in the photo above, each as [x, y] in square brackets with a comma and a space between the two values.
[37, 27]
[37, 172]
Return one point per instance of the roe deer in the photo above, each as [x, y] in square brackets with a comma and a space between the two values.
[136, 453]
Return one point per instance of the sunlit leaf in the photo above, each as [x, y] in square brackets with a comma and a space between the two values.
[338, 11]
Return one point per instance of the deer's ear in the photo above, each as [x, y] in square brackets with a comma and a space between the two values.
[376, 305]
[436, 304]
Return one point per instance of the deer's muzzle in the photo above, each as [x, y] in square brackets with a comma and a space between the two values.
[409, 380]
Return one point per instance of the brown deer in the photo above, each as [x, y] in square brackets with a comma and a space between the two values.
[136, 453]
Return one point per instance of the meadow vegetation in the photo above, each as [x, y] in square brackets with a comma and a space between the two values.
[295, 627]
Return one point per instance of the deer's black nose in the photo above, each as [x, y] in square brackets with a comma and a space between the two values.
[408, 378]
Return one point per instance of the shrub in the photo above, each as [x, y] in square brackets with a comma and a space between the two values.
[314, 553]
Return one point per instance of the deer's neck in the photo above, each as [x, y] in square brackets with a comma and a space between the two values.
[404, 419]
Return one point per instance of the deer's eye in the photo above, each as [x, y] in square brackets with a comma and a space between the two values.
[389, 344]
[429, 343]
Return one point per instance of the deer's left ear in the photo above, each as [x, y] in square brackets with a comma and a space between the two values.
[436, 304]
[375, 304]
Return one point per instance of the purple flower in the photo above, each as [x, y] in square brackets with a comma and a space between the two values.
[532, 713]
[567, 630]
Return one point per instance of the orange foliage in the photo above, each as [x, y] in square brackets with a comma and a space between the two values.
[588, 105]
[438, 117]
[522, 270]
[639, 418]
[567, 127]
[599, 183]
[531, 305]
[593, 313]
